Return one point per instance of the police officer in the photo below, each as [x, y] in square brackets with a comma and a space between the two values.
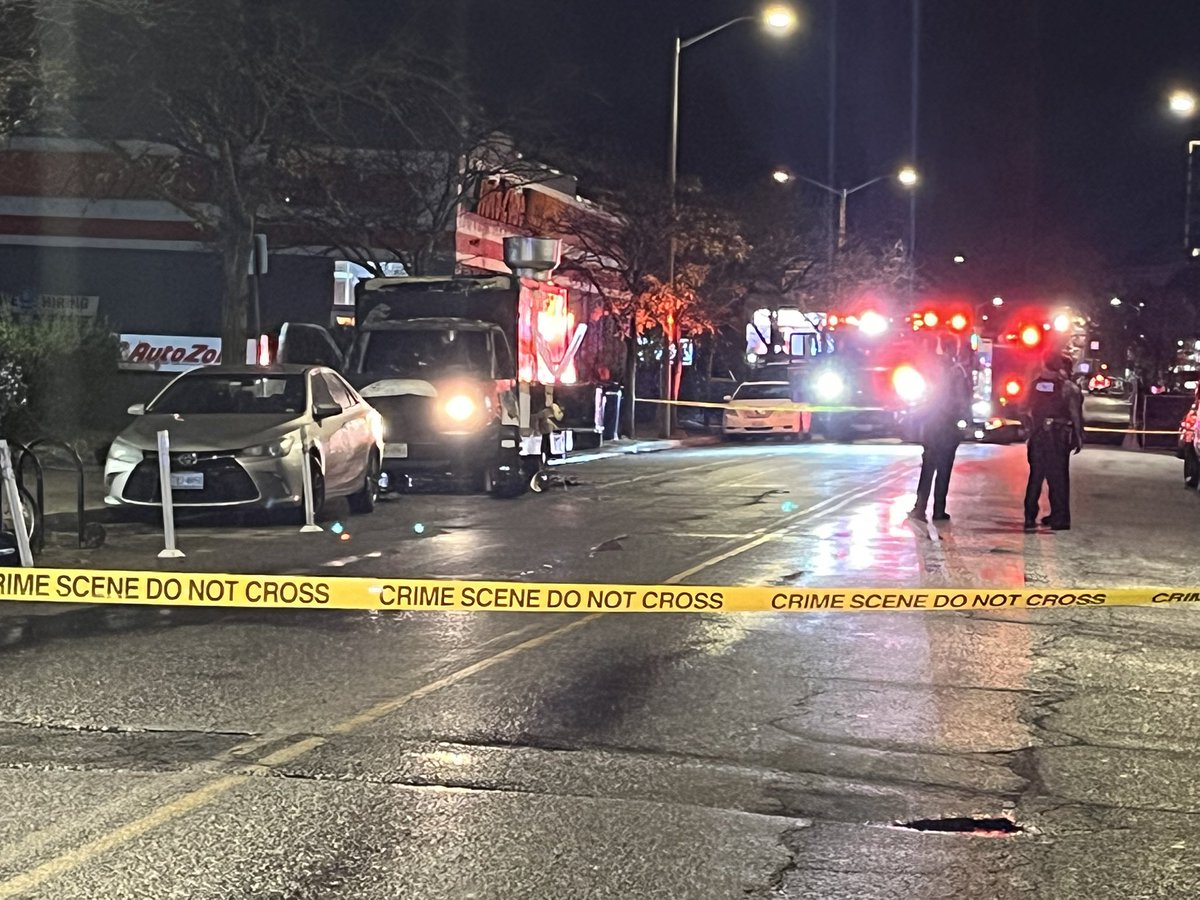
[946, 411]
[1054, 418]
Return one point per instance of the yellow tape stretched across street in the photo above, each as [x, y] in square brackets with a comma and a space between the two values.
[811, 408]
[228, 591]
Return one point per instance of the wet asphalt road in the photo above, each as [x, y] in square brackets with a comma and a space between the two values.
[315, 754]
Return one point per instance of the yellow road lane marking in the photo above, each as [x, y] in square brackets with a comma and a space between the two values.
[828, 505]
[30, 879]
[204, 795]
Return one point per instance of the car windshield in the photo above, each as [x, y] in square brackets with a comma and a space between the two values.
[217, 394]
[763, 392]
[426, 352]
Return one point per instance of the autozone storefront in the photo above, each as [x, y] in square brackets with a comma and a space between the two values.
[138, 266]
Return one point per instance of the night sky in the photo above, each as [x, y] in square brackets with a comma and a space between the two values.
[1042, 139]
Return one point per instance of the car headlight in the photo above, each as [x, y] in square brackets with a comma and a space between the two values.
[123, 451]
[909, 384]
[829, 386]
[272, 449]
[460, 407]
[981, 409]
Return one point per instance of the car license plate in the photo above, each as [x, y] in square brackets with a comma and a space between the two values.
[395, 451]
[187, 481]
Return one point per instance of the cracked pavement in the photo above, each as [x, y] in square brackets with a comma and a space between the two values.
[317, 754]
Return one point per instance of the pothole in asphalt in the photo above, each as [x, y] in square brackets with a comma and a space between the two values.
[987, 826]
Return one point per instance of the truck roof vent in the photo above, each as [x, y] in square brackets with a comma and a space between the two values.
[532, 257]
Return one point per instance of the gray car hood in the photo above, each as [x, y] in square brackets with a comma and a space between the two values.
[209, 433]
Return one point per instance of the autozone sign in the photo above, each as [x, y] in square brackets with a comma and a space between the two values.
[167, 353]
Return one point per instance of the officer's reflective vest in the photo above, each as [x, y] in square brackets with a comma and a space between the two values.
[1048, 400]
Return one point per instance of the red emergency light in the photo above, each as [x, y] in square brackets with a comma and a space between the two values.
[1012, 387]
[959, 322]
[1031, 335]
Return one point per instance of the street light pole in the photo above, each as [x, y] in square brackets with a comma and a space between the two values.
[907, 177]
[673, 159]
[776, 18]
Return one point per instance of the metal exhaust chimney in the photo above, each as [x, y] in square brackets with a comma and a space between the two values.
[532, 257]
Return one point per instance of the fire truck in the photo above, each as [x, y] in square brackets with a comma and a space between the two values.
[876, 366]
[474, 375]
[873, 375]
[1008, 361]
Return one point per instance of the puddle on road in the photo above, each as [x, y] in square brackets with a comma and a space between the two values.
[984, 826]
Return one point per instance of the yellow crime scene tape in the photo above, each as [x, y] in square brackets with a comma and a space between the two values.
[808, 407]
[759, 407]
[228, 591]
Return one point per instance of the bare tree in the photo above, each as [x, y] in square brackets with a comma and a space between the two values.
[619, 246]
[227, 108]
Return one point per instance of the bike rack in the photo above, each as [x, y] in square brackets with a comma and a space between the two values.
[39, 531]
[82, 535]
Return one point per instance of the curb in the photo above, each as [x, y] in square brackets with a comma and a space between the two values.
[644, 446]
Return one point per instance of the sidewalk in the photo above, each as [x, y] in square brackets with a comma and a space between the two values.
[22, 623]
[645, 442]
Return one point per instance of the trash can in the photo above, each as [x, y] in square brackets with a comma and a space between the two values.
[612, 412]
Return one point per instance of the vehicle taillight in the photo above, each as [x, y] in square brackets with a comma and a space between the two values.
[265, 352]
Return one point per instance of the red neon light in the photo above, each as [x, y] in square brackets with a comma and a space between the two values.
[544, 334]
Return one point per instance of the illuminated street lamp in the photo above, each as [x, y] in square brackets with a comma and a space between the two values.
[776, 18]
[1182, 103]
[1115, 301]
[780, 19]
[906, 176]
[997, 301]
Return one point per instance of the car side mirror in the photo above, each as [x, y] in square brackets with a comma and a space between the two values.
[728, 397]
[138, 409]
[326, 411]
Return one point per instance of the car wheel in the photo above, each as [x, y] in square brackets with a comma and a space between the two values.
[365, 499]
[839, 433]
[509, 477]
[31, 519]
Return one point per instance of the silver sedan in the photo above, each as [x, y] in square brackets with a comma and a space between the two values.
[240, 436]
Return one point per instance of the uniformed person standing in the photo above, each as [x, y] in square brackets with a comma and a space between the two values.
[1054, 418]
[946, 411]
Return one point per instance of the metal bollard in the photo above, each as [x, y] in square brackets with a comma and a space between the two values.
[310, 524]
[169, 551]
[13, 499]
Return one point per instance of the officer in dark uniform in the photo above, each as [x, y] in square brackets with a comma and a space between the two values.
[1054, 418]
[946, 411]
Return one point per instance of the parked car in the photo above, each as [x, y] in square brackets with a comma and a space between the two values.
[1107, 401]
[237, 440]
[765, 408]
